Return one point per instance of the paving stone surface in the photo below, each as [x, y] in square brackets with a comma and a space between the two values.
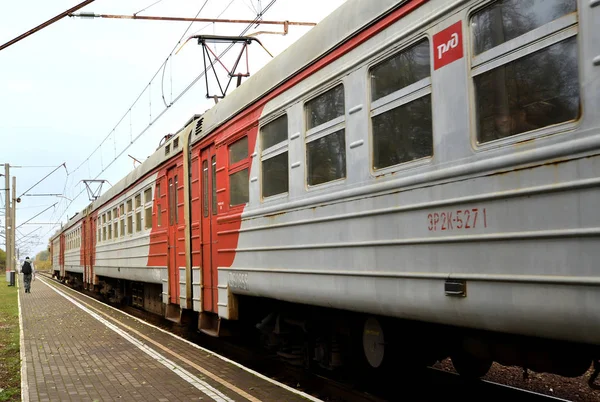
[72, 356]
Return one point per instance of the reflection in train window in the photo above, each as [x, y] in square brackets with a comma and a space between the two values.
[508, 19]
[238, 183]
[402, 125]
[238, 151]
[325, 107]
[535, 91]
[326, 158]
[538, 89]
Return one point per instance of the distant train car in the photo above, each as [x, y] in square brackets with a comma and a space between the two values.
[408, 181]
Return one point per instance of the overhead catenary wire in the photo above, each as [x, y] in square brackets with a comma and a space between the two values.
[45, 24]
[144, 9]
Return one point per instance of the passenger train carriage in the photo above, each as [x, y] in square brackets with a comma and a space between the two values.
[413, 173]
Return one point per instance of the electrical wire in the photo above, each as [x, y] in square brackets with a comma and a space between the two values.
[144, 9]
[138, 98]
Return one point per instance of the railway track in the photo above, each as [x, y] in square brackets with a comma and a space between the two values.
[427, 384]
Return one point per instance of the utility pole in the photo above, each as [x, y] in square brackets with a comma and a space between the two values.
[13, 243]
[7, 214]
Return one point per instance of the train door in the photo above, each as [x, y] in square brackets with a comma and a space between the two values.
[208, 163]
[173, 184]
[84, 251]
[91, 249]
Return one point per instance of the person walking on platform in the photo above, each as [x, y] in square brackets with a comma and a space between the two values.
[27, 271]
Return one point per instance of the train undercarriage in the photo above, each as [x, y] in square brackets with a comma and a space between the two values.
[368, 346]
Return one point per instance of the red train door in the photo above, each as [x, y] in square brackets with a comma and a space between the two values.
[173, 184]
[208, 166]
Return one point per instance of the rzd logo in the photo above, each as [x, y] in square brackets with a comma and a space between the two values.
[448, 46]
[451, 44]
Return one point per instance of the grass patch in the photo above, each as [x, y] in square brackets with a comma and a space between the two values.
[10, 363]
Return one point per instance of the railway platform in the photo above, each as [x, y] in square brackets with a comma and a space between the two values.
[76, 348]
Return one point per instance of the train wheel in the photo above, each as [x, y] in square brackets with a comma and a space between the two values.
[470, 366]
[373, 342]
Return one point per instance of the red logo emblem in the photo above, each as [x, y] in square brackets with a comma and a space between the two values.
[447, 46]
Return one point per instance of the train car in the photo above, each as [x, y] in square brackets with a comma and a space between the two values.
[55, 254]
[408, 181]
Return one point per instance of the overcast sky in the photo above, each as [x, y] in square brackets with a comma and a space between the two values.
[64, 89]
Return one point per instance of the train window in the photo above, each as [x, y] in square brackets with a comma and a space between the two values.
[122, 227]
[401, 70]
[325, 107]
[326, 158]
[238, 151]
[214, 184]
[205, 188]
[138, 221]
[275, 178]
[401, 120]
[326, 142]
[129, 224]
[274, 158]
[148, 218]
[129, 205]
[524, 82]
[176, 204]
[238, 183]
[138, 201]
[507, 19]
[148, 195]
[116, 229]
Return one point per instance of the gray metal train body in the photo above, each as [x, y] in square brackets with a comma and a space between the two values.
[442, 167]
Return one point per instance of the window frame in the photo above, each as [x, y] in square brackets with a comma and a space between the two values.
[323, 130]
[399, 98]
[542, 37]
[273, 151]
